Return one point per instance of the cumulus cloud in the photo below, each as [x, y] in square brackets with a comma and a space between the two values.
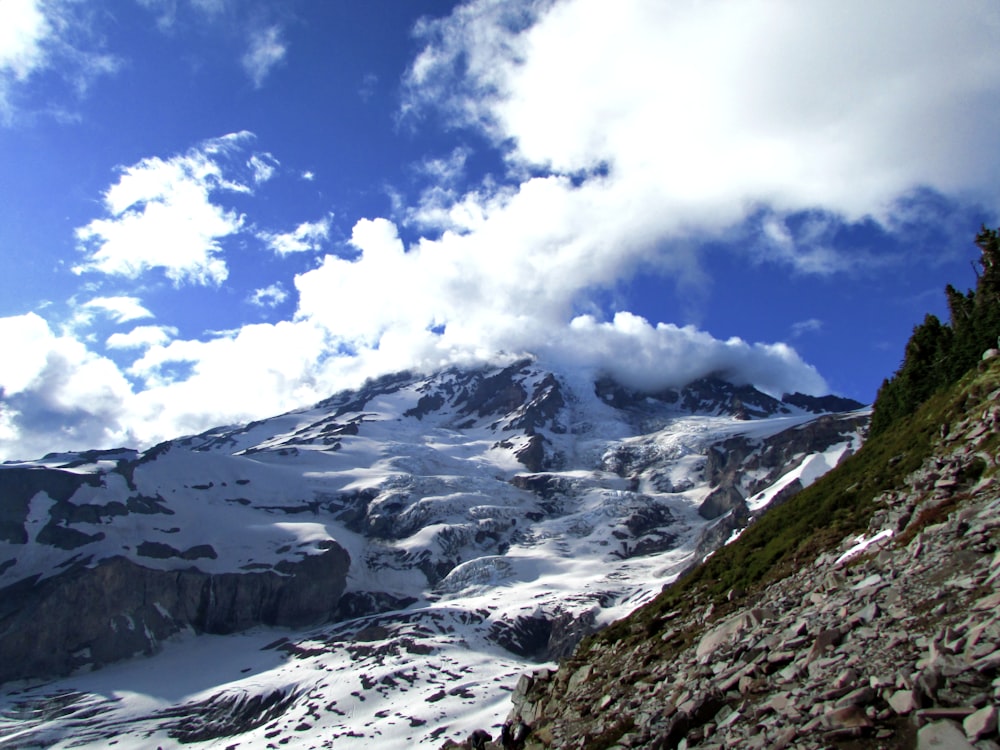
[163, 214]
[632, 134]
[23, 32]
[56, 394]
[266, 50]
[309, 236]
[712, 121]
[259, 370]
[716, 109]
[470, 296]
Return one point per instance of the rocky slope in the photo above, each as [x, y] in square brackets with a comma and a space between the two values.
[888, 639]
[424, 539]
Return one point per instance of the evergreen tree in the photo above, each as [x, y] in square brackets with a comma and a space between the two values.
[937, 355]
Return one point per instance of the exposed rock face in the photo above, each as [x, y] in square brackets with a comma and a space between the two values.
[116, 609]
[443, 486]
[890, 641]
[714, 395]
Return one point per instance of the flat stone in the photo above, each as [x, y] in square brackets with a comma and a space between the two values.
[942, 735]
[866, 614]
[846, 678]
[903, 702]
[824, 639]
[860, 697]
[868, 582]
[980, 724]
[990, 602]
[849, 717]
[937, 713]
[579, 677]
[988, 663]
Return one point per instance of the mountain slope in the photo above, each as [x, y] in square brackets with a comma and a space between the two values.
[380, 565]
[862, 613]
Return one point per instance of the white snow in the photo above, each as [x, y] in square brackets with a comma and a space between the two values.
[277, 489]
[863, 543]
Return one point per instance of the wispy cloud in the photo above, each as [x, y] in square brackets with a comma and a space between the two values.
[269, 296]
[266, 50]
[121, 309]
[802, 327]
[43, 35]
[142, 337]
[369, 84]
[309, 236]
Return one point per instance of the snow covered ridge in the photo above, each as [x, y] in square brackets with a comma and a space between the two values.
[377, 565]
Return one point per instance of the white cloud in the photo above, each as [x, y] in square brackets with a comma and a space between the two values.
[269, 296]
[633, 133]
[802, 327]
[714, 109]
[57, 395]
[142, 337]
[260, 370]
[39, 35]
[163, 214]
[446, 170]
[121, 309]
[266, 51]
[490, 297]
[23, 31]
[309, 236]
[263, 167]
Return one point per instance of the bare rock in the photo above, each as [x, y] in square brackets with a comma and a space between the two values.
[981, 724]
[942, 735]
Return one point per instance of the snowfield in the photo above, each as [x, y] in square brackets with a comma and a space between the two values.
[491, 517]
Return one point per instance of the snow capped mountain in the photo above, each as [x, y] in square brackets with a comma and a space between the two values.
[382, 565]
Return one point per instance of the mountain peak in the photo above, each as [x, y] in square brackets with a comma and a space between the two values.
[422, 530]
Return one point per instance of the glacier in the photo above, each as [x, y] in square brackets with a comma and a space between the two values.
[380, 567]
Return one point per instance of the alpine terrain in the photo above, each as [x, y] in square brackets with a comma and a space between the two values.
[381, 567]
[862, 613]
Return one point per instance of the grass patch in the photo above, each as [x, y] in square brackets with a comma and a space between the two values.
[814, 521]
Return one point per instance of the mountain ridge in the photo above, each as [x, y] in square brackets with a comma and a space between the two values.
[380, 525]
[887, 639]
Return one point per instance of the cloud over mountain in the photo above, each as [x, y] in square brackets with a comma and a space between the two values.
[625, 141]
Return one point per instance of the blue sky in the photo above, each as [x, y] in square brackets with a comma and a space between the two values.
[217, 210]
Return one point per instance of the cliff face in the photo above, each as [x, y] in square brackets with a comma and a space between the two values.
[117, 609]
[422, 540]
[889, 639]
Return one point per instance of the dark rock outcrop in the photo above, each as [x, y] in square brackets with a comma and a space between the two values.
[116, 609]
[887, 641]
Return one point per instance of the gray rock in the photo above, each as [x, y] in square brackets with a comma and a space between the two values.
[981, 724]
[942, 735]
[116, 609]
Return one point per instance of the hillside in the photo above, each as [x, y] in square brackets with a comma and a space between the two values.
[861, 613]
[377, 567]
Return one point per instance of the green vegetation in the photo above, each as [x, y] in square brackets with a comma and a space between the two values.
[817, 519]
[938, 384]
[937, 355]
